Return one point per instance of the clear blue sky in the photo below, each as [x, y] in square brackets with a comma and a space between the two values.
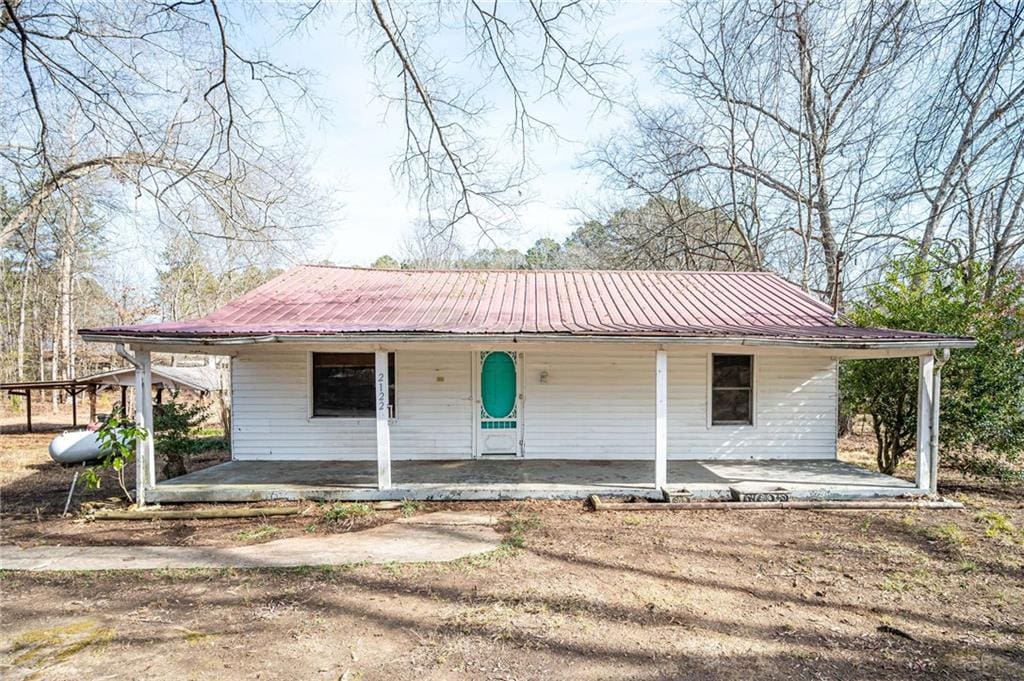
[355, 146]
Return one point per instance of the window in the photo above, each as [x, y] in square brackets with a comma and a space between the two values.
[732, 394]
[343, 384]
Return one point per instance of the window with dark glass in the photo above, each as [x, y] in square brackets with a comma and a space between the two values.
[343, 384]
[732, 393]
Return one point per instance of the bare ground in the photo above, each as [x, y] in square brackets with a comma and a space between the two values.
[572, 594]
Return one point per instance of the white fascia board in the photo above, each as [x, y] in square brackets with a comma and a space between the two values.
[840, 347]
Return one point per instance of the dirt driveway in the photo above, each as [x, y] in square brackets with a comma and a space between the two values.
[571, 594]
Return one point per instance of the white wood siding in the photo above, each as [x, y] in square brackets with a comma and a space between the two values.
[597, 402]
[270, 396]
[795, 402]
[600, 404]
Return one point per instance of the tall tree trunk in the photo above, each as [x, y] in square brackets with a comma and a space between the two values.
[40, 333]
[55, 353]
[818, 136]
[67, 286]
[26, 275]
[830, 249]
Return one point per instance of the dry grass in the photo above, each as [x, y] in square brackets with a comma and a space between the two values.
[571, 594]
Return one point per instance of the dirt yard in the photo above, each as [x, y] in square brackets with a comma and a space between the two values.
[571, 594]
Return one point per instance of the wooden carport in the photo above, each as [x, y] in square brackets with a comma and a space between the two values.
[73, 387]
[201, 380]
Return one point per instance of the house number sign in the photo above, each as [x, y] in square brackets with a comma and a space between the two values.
[382, 394]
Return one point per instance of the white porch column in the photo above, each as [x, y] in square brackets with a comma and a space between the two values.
[661, 419]
[383, 429]
[933, 449]
[145, 464]
[925, 404]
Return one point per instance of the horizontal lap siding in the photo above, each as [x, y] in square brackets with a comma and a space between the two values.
[595, 404]
[599, 404]
[434, 417]
[270, 406]
[795, 399]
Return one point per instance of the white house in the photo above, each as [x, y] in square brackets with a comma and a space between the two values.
[358, 384]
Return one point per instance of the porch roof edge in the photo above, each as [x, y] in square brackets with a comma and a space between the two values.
[918, 344]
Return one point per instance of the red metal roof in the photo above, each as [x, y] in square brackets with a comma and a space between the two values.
[318, 300]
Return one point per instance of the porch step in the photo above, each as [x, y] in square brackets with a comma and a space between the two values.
[676, 496]
[755, 492]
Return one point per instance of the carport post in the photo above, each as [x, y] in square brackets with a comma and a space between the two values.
[381, 383]
[661, 419]
[925, 386]
[27, 394]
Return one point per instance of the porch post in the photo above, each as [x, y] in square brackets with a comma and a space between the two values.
[383, 429]
[145, 464]
[661, 419]
[925, 386]
[933, 448]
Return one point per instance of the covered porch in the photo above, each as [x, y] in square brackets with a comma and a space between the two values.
[517, 477]
[476, 479]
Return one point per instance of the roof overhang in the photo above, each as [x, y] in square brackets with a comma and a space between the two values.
[911, 346]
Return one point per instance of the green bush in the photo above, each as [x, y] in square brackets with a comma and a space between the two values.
[175, 425]
[982, 397]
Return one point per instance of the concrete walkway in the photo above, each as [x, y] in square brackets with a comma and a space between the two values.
[432, 537]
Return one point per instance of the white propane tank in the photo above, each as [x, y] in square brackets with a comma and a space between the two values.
[75, 447]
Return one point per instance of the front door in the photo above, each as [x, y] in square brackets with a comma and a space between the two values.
[498, 403]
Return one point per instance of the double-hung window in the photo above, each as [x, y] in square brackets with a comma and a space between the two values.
[343, 384]
[732, 390]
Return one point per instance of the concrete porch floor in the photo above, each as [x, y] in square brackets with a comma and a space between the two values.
[467, 479]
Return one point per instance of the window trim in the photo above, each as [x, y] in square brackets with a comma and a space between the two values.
[392, 418]
[709, 396]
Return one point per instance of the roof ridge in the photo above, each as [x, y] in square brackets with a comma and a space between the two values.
[526, 271]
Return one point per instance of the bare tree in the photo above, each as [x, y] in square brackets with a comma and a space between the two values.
[781, 124]
[430, 247]
[150, 101]
[441, 66]
[158, 97]
[967, 135]
[683, 218]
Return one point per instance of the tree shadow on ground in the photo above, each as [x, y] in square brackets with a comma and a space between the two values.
[819, 654]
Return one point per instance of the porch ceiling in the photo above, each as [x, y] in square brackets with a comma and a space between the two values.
[518, 478]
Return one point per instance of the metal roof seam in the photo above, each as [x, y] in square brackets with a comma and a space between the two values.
[654, 286]
[591, 286]
[687, 286]
[579, 304]
[637, 298]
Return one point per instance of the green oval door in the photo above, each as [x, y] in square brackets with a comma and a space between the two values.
[498, 385]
